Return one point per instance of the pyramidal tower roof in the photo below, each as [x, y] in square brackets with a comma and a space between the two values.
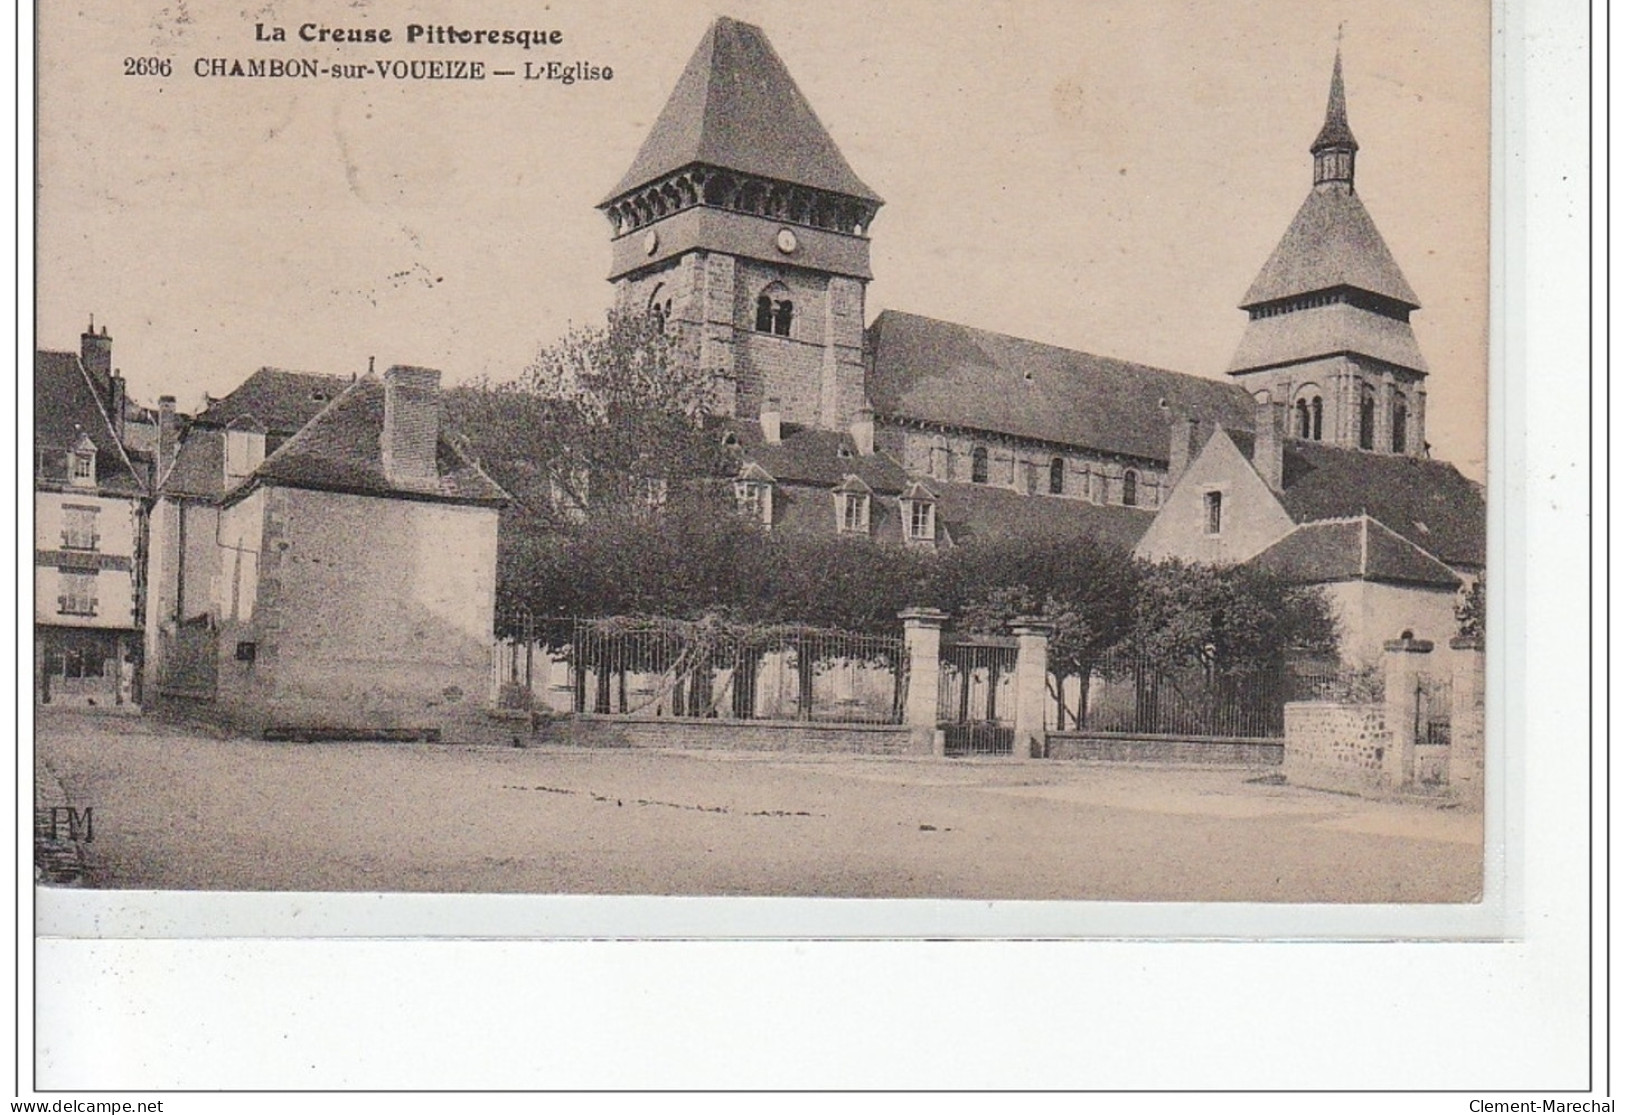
[1332, 242]
[737, 107]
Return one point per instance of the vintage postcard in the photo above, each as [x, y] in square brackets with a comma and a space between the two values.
[999, 451]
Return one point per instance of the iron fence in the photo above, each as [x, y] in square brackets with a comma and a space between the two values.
[976, 696]
[1131, 693]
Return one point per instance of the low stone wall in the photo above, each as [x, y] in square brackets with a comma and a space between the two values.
[792, 736]
[1155, 749]
[1336, 747]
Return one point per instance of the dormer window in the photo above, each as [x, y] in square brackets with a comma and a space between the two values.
[919, 507]
[753, 494]
[1131, 488]
[852, 506]
[82, 463]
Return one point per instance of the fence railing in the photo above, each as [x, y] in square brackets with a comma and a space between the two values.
[655, 667]
[1129, 692]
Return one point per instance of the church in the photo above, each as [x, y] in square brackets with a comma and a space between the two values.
[741, 222]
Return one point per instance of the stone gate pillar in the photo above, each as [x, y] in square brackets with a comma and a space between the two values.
[922, 639]
[1467, 720]
[1032, 689]
[1404, 659]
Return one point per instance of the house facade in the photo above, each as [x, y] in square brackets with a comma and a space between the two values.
[345, 580]
[89, 527]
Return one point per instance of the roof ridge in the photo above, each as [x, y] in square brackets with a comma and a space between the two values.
[107, 423]
[1430, 556]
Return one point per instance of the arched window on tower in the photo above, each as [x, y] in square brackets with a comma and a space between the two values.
[1302, 410]
[774, 310]
[1314, 418]
[1368, 418]
[1057, 476]
[1131, 488]
[978, 465]
[1401, 416]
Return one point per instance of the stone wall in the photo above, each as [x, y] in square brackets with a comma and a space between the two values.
[1336, 747]
[1146, 749]
[794, 736]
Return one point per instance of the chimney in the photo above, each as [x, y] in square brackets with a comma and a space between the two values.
[1269, 420]
[863, 431]
[168, 433]
[411, 434]
[96, 352]
[771, 431]
[1181, 447]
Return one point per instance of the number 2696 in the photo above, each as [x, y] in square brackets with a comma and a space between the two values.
[147, 67]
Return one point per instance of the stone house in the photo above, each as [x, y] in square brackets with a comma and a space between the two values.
[89, 532]
[351, 587]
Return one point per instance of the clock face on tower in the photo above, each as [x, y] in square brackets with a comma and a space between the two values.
[786, 241]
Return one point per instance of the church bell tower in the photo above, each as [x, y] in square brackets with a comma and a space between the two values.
[1328, 331]
[741, 221]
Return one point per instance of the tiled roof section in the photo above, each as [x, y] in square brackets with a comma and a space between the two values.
[66, 407]
[737, 107]
[935, 371]
[971, 512]
[280, 401]
[341, 450]
[1427, 502]
[1325, 330]
[1354, 550]
[819, 457]
[1332, 242]
[199, 468]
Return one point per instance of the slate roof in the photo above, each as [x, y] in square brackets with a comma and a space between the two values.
[341, 450]
[66, 406]
[954, 375]
[817, 457]
[1332, 242]
[1425, 502]
[1361, 549]
[199, 468]
[977, 511]
[1325, 330]
[1336, 132]
[280, 401]
[737, 107]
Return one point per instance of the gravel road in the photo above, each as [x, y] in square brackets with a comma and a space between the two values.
[179, 808]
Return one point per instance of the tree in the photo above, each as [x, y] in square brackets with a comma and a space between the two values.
[1470, 611]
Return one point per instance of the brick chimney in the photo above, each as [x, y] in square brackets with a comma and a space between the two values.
[168, 434]
[863, 431]
[1270, 420]
[411, 424]
[96, 352]
[772, 421]
[1181, 448]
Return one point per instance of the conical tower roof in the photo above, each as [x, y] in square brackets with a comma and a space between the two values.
[1332, 242]
[737, 107]
[1336, 132]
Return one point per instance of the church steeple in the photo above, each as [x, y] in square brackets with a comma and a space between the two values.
[1335, 146]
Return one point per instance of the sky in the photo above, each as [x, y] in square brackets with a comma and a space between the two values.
[1107, 176]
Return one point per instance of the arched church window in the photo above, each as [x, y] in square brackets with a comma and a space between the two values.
[1314, 418]
[783, 313]
[978, 465]
[764, 314]
[1368, 419]
[1057, 476]
[1401, 415]
[1303, 418]
[774, 310]
[1131, 488]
